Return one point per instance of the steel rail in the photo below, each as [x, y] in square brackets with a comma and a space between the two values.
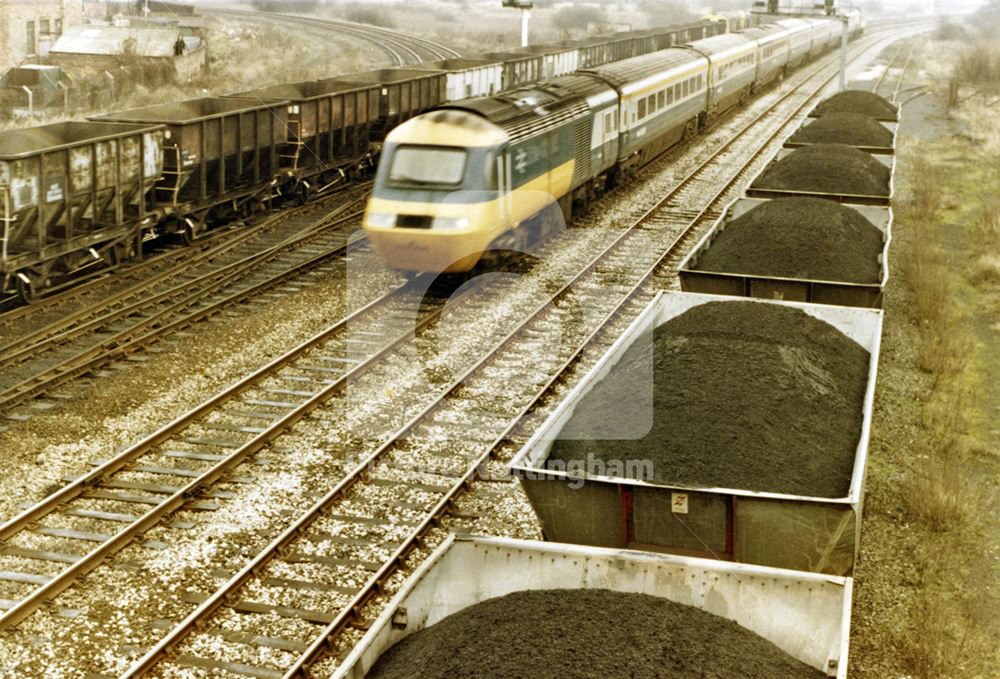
[376, 582]
[156, 327]
[902, 74]
[102, 312]
[123, 461]
[888, 67]
[214, 243]
[400, 46]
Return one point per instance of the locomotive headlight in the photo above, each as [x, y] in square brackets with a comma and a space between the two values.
[381, 220]
[449, 224]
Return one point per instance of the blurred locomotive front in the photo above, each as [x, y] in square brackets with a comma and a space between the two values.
[434, 206]
[452, 184]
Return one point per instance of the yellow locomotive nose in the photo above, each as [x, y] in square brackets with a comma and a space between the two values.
[452, 240]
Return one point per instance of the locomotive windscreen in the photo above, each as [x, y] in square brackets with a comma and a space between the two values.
[428, 165]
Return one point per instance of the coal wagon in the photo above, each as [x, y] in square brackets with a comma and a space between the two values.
[74, 195]
[329, 133]
[220, 158]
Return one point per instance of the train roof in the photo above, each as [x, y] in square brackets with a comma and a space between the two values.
[766, 32]
[720, 44]
[794, 25]
[529, 110]
[622, 73]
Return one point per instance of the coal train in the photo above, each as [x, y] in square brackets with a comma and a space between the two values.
[466, 178]
[81, 195]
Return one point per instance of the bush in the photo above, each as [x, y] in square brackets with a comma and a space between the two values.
[577, 19]
[368, 14]
[668, 12]
[285, 5]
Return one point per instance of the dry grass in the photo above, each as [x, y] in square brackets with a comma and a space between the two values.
[944, 349]
[940, 490]
[927, 584]
[937, 641]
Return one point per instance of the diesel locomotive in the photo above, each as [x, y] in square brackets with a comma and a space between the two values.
[467, 177]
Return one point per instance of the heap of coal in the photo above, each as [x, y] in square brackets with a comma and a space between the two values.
[586, 634]
[852, 129]
[749, 395]
[828, 168]
[858, 101]
[807, 238]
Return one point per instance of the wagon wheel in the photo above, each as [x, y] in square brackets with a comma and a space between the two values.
[303, 193]
[191, 230]
[28, 291]
[119, 253]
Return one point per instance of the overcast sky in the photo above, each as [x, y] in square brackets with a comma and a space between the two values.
[941, 6]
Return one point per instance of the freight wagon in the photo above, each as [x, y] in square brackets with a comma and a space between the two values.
[329, 128]
[220, 156]
[818, 534]
[74, 195]
[806, 615]
[696, 278]
[403, 94]
[830, 170]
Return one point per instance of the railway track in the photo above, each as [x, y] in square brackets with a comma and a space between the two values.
[388, 501]
[403, 49]
[248, 265]
[615, 287]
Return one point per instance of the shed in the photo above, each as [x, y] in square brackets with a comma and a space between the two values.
[104, 47]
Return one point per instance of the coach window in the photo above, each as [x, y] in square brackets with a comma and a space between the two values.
[651, 104]
[677, 92]
[670, 96]
[642, 109]
[662, 99]
[684, 89]
[701, 82]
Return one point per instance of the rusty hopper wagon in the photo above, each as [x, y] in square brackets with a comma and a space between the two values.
[74, 194]
[329, 127]
[840, 293]
[805, 533]
[404, 93]
[468, 77]
[804, 614]
[555, 60]
[220, 158]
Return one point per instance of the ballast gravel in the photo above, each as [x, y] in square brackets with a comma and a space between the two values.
[805, 238]
[139, 400]
[852, 129]
[827, 168]
[746, 395]
[595, 633]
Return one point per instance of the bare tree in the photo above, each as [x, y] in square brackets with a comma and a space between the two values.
[978, 66]
[577, 18]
